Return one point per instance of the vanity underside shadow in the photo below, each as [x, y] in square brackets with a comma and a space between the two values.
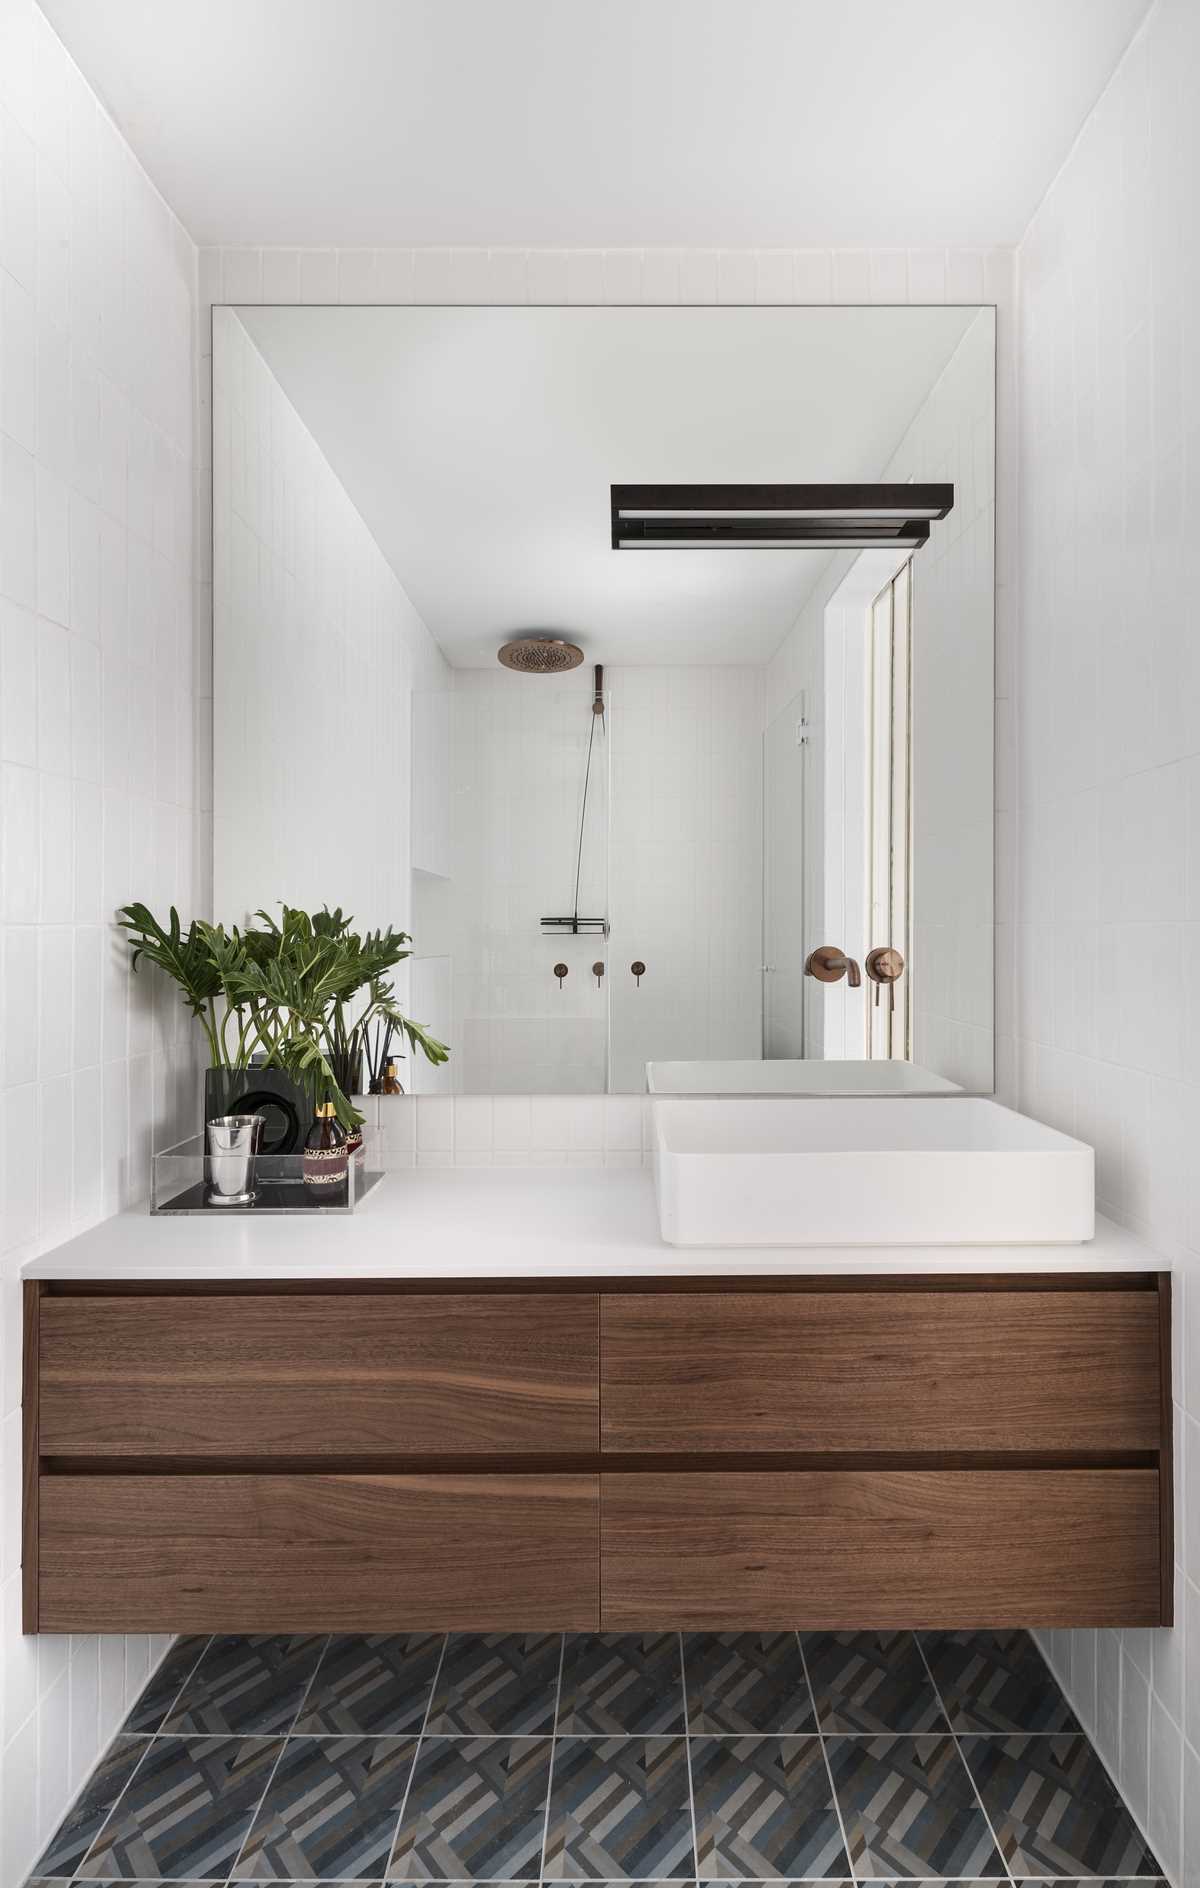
[704, 1454]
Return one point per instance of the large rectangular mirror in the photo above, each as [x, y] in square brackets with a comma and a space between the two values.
[744, 844]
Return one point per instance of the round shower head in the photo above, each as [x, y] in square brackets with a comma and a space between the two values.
[540, 655]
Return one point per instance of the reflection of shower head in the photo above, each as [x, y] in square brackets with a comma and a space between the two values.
[540, 655]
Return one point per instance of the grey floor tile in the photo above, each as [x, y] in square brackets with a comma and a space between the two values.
[621, 1682]
[497, 1683]
[764, 1810]
[908, 1808]
[246, 1687]
[165, 1684]
[996, 1681]
[75, 1835]
[620, 1809]
[746, 1681]
[1054, 1808]
[476, 1810]
[331, 1810]
[870, 1681]
[186, 1811]
[377, 1684]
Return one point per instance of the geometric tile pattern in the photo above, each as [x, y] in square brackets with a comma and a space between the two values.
[620, 1809]
[910, 1808]
[996, 1681]
[83, 1823]
[186, 1810]
[746, 1681]
[246, 1687]
[749, 1759]
[1054, 1807]
[870, 1681]
[764, 1808]
[497, 1682]
[330, 1811]
[165, 1685]
[378, 1686]
[621, 1682]
[476, 1810]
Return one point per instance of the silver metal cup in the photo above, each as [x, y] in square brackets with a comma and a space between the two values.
[232, 1145]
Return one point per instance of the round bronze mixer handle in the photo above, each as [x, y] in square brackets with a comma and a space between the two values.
[884, 964]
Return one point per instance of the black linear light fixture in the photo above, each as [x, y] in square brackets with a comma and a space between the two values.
[775, 517]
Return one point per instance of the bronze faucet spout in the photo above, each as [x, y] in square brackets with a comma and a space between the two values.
[827, 963]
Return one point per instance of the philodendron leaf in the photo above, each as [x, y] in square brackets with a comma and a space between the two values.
[418, 1036]
[182, 955]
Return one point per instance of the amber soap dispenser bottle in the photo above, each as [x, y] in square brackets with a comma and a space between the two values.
[326, 1156]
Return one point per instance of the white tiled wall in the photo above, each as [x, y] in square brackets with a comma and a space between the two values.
[511, 1130]
[104, 690]
[1100, 805]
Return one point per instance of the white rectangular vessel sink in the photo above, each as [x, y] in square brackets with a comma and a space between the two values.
[909, 1170]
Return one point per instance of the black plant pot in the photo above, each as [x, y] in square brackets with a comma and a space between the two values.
[286, 1108]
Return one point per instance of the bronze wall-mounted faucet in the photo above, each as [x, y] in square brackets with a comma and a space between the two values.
[828, 964]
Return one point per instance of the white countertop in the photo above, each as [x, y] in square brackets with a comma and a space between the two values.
[513, 1223]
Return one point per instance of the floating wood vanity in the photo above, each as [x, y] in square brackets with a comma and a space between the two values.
[680, 1446]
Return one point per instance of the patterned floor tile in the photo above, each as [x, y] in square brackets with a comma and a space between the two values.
[870, 1681]
[497, 1683]
[621, 1682]
[620, 1809]
[185, 1812]
[996, 1681]
[909, 1809]
[476, 1810]
[764, 1810]
[165, 1684]
[1053, 1807]
[378, 1684]
[331, 1810]
[746, 1681]
[1112, 1881]
[74, 1837]
[246, 1687]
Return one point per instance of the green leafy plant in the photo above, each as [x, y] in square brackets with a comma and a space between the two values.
[300, 990]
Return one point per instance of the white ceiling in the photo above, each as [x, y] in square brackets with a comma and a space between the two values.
[479, 445]
[610, 122]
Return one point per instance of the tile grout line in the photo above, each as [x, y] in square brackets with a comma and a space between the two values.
[687, 1755]
[978, 1795]
[184, 1683]
[837, 1807]
[562, 1658]
[391, 1856]
[283, 1744]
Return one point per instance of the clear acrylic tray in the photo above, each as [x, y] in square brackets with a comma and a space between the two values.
[179, 1183]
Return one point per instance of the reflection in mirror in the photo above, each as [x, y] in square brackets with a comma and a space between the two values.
[719, 819]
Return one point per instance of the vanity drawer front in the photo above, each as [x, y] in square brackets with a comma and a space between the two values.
[880, 1370]
[927, 1548]
[298, 1553]
[318, 1374]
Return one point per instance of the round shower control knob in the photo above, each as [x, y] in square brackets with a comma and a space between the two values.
[637, 969]
[560, 971]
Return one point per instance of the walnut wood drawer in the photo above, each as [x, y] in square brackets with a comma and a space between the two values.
[299, 1553]
[317, 1374]
[923, 1548]
[881, 1370]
